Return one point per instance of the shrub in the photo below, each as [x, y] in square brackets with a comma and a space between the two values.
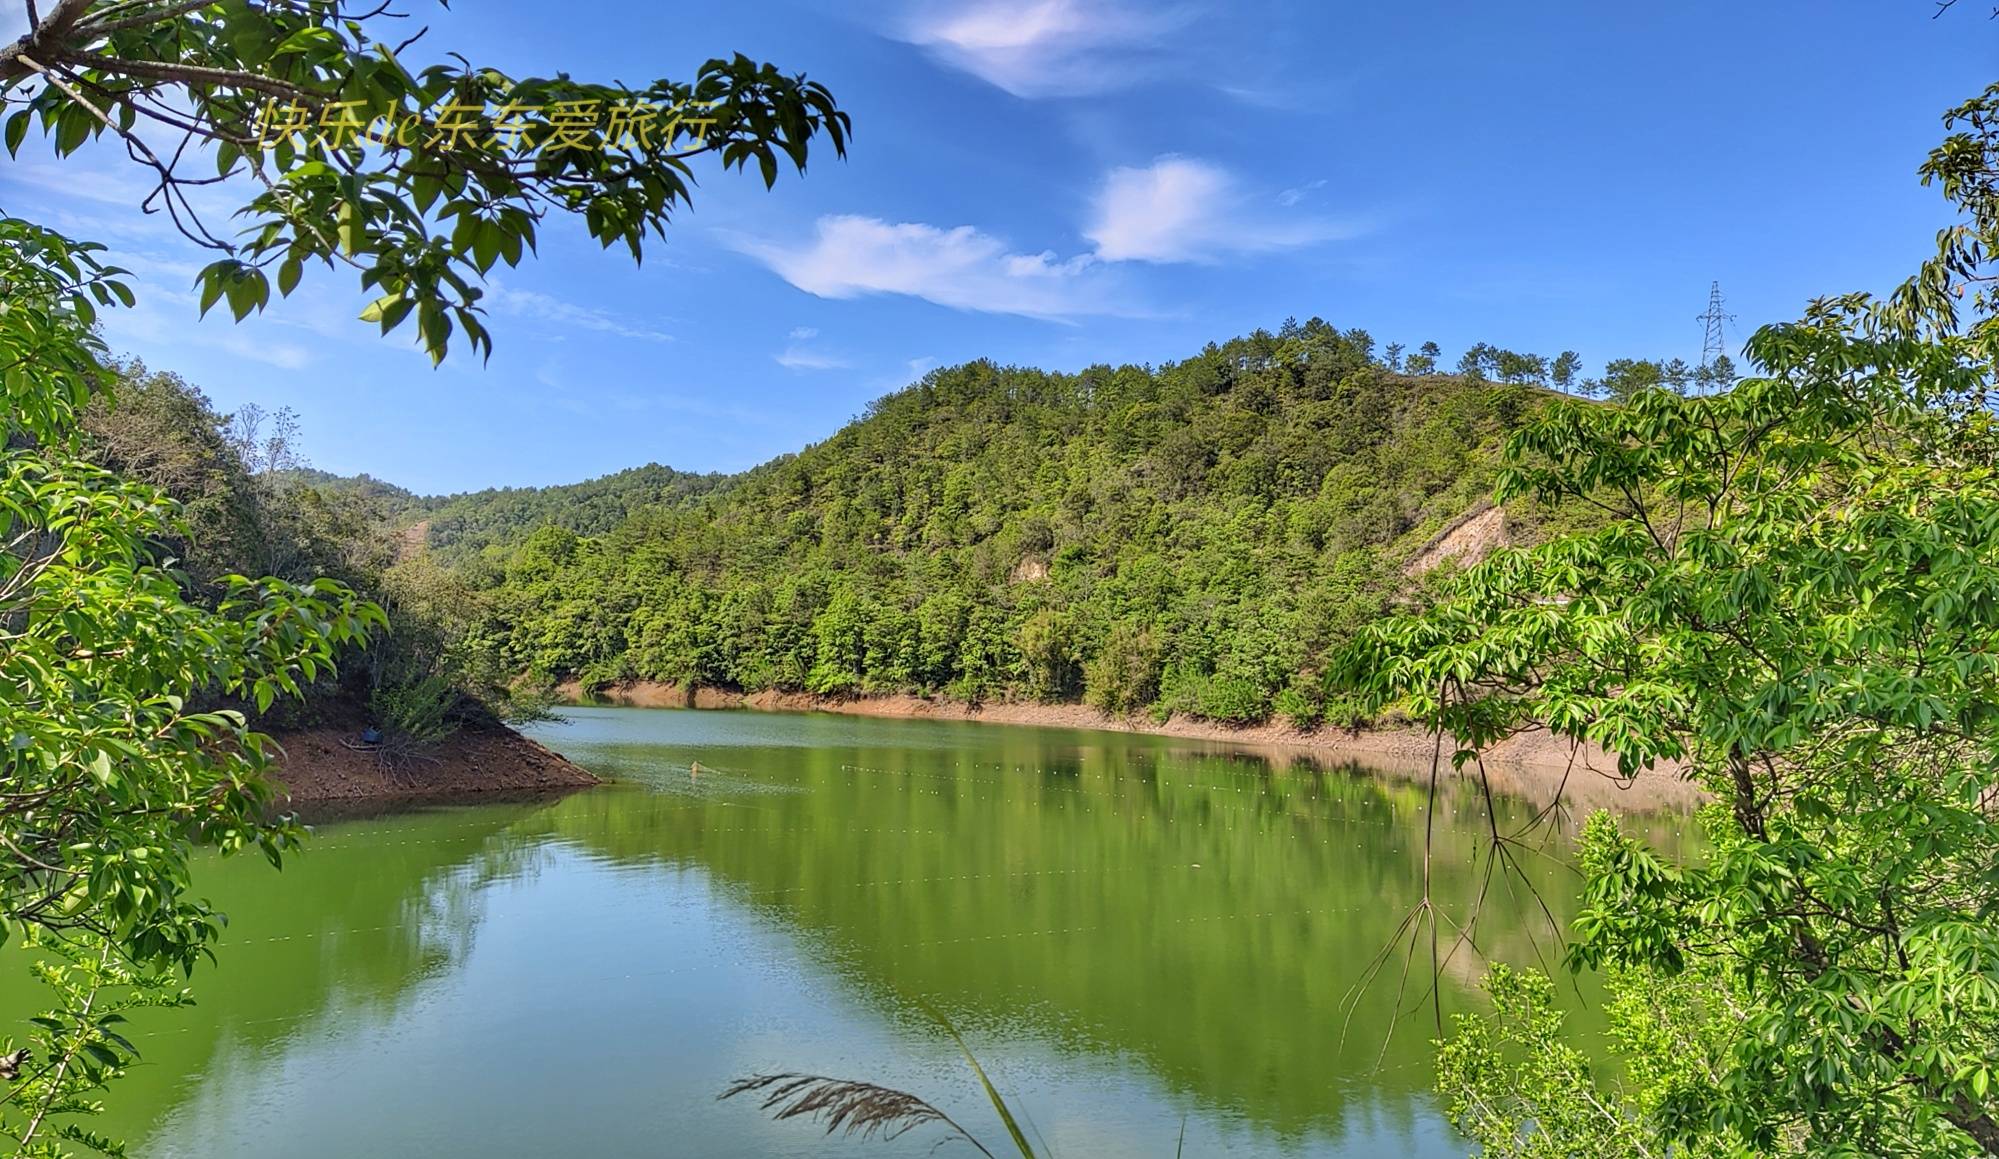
[1123, 677]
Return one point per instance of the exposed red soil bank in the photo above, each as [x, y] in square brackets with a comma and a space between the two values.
[1535, 766]
[319, 765]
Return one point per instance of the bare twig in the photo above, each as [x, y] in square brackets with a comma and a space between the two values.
[192, 74]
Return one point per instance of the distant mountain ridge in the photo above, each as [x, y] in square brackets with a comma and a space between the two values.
[464, 524]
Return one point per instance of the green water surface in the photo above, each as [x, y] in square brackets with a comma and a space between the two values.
[1132, 932]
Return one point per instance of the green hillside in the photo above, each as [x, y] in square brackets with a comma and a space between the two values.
[461, 526]
[458, 527]
[1194, 537]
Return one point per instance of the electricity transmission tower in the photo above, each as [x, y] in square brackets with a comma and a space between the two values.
[1714, 343]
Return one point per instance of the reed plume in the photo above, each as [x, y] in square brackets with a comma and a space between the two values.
[846, 1106]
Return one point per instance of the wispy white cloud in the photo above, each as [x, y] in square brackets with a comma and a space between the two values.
[164, 313]
[556, 312]
[964, 268]
[1291, 197]
[588, 394]
[799, 354]
[1044, 48]
[284, 355]
[1180, 209]
[804, 358]
[88, 176]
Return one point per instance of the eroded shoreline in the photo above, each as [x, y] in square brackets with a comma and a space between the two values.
[325, 764]
[1537, 766]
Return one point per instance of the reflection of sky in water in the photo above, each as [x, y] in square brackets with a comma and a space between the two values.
[598, 1012]
[582, 976]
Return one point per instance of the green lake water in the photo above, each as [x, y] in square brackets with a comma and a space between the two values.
[1132, 932]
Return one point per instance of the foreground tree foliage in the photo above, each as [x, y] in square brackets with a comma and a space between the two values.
[420, 178]
[1796, 594]
[1518, 1083]
[124, 746]
[117, 756]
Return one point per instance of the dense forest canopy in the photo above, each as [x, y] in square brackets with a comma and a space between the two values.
[1195, 537]
[458, 526]
[1191, 538]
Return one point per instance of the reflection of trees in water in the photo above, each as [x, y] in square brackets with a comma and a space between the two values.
[1204, 913]
[339, 941]
[1038, 883]
[387, 904]
[442, 915]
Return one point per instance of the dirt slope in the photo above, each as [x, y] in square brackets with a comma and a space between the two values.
[1467, 541]
[320, 764]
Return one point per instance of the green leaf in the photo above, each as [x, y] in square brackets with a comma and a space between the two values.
[424, 189]
[352, 230]
[102, 1053]
[73, 127]
[246, 291]
[211, 288]
[394, 315]
[485, 246]
[992, 1093]
[375, 309]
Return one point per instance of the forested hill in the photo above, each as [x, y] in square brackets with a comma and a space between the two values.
[458, 527]
[461, 526]
[1191, 538]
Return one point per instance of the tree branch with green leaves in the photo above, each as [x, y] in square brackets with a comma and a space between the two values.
[422, 179]
[1795, 601]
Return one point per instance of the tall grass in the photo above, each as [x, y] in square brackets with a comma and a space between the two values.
[854, 1107]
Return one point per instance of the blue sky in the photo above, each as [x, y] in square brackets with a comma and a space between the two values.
[1063, 182]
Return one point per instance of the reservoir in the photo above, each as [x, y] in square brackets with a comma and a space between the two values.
[1136, 936]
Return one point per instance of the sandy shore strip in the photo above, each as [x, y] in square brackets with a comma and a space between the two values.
[1536, 766]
